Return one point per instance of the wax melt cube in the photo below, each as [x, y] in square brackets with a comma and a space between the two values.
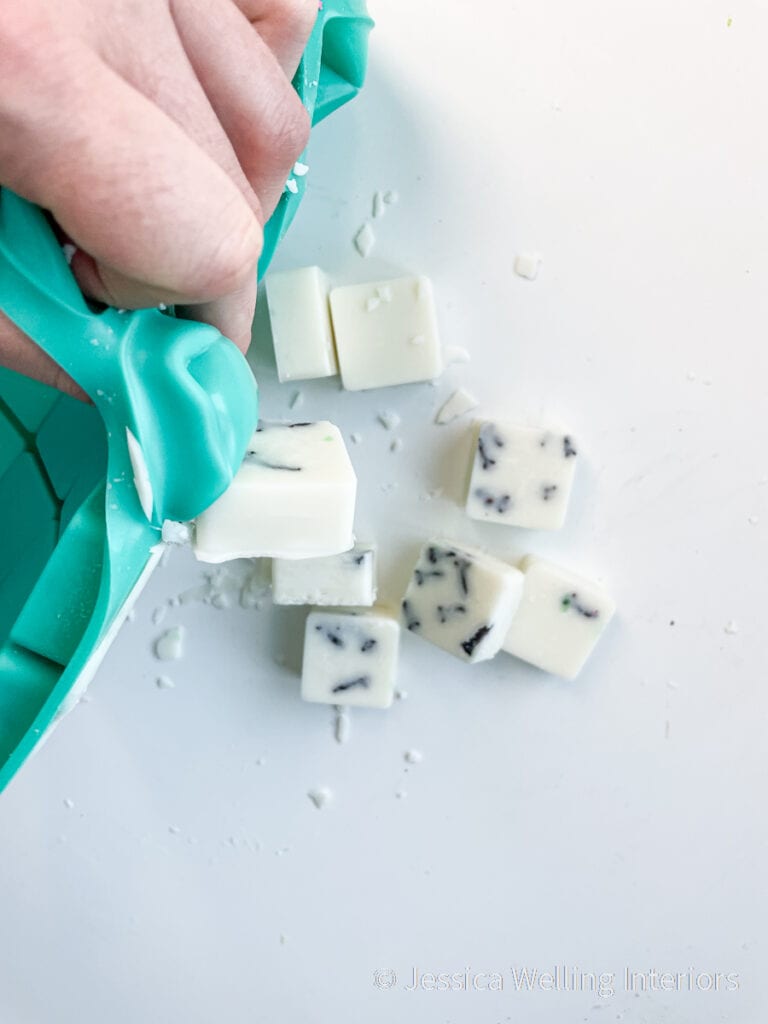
[520, 476]
[350, 658]
[345, 579]
[301, 324]
[560, 619]
[461, 600]
[386, 333]
[293, 497]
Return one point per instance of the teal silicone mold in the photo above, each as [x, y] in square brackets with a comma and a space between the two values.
[74, 541]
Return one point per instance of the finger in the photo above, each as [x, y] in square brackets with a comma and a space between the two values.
[169, 80]
[233, 315]
[20, 353]
[254, 102]
[284, 25]
[137, 194]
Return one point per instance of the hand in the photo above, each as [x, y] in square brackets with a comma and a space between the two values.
[159, 134]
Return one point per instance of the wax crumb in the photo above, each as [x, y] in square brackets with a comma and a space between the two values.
[396, 445]
[666, 730]
[69, 804]
[283, 939]
[95, 342]
[159, 614]
[364, 239]
[176, 533]
[401, 794]
[174, 830]
[691, 375]
[69, 251]
[707, 382]
[355, 438]
[320, 797]
[260, 761]
[296, 399]
[391, 197]
[672, 684]
[413, 756]
[753, 520]
[292, 186]
[378, 206]
[131, 616]
[170, 646]
[384, 292]
[456, 354]
[731, 628]
[372, 304]
[300, 169]
[342, 725]
[459, 404]
[164, 683]
[527, 265]
[417, 339]
[401, 695]
[389, 419]
[729, 22]
[388, 487]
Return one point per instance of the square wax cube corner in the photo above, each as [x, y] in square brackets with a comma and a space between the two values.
[345, 579]
[350, 658]
[461, 599]
[293, 497]
[300, 319]
[386, 333]
[560, 619]
[520, 476]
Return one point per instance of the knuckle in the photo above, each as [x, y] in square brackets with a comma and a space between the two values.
[19, 43]
[299, 14]
[231, 264]
[290, 131]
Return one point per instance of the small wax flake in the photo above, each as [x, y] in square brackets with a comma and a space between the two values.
[320, 797]
[460, 403]
[292, 186]
[365, 240]
[300, 169]
[527, 265]
[389, 419]
[170, 646]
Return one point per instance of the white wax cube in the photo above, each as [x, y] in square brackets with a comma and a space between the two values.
[350, 658]
[560, 618]
[293, 497]
[461, 600]
[521, 476]
[386, 333]
[301, 324]
[345, 579]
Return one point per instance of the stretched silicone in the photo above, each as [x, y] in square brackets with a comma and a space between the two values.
[75, 544]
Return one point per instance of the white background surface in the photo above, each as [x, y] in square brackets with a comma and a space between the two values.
[611, 823]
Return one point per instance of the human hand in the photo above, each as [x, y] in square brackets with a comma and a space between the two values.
[159, 134]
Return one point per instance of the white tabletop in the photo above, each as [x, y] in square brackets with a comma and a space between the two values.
[161, 861]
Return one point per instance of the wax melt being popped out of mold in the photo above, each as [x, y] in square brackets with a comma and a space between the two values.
[293, 497]
[301, 324]
[520, 476]
[345, 579]
[386, 333]
[560, 619]
[461, 600]
[350, 658]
